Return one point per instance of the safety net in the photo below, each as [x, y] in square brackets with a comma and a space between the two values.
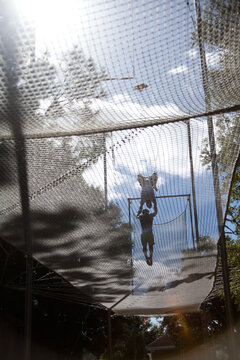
[100, 99]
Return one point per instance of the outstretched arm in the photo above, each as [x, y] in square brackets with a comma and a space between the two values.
[155, 210]
[140, 180]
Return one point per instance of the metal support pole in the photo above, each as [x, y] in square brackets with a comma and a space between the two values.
[190, 210]
[110, 357]
[129, 213]
[28, 307]
[193, 181]
[134, 340]
[225, 271]
[9, 55]
[105, 170]
[130, 238]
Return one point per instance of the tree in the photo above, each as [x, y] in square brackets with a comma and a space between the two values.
[50, 94]
[221, 30]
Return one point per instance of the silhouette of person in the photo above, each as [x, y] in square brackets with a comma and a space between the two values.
[147, 238]
[147, 193]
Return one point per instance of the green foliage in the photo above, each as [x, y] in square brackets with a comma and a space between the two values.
[131, 335]
[221, 31]
[233, 255]
[227, 136]
[184, 329]
[81, 78]
[234, 205]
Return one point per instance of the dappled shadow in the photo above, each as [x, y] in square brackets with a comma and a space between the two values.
[84, 243]
[189, 279]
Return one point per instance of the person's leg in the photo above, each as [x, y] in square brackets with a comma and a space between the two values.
[151, 199]
[140, 180]
[145, 251]
[144, 246]
[150, 245]
[151, 250]
[155, 204]
[148, 261]
[153, 180]
[150, 254]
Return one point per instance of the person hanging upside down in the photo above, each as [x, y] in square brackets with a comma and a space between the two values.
[147, 238]
[147, 194]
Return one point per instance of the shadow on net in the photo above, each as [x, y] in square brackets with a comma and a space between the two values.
[90, 250]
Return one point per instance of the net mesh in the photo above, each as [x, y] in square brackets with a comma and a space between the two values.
[95, 95]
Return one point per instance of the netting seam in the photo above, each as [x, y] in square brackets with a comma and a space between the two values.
[130, 127]
[69, 174]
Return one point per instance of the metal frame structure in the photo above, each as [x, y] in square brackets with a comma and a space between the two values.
[162, 197]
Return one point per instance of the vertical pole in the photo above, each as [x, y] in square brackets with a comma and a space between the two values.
[223, 253]
[190, 210]
[129, 213]
[10, 51]
[110, 357]
[134, 340]
[130, 230]
[193, 181]
[28, 306]
[105, 170]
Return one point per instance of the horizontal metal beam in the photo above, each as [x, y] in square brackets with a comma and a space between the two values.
[161, 197]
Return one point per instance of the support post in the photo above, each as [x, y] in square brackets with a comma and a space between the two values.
[105, 170]
[190, 210]
[129, 213]
[10, 61]
[130, 238]
[216, 185]
[28, 306]
[134, 340]
[110, 357]
[193, 181]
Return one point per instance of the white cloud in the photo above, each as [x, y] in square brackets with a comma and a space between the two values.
[120, 109]
[178, 70]
[119, 98]
[192, 53]
[213, 58]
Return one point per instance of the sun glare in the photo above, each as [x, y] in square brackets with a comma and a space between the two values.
[52, 18]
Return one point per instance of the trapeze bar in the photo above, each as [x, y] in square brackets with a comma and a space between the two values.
[160, 197]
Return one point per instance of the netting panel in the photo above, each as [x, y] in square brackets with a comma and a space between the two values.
[89, 246]
[113, 65]
[96, 67]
